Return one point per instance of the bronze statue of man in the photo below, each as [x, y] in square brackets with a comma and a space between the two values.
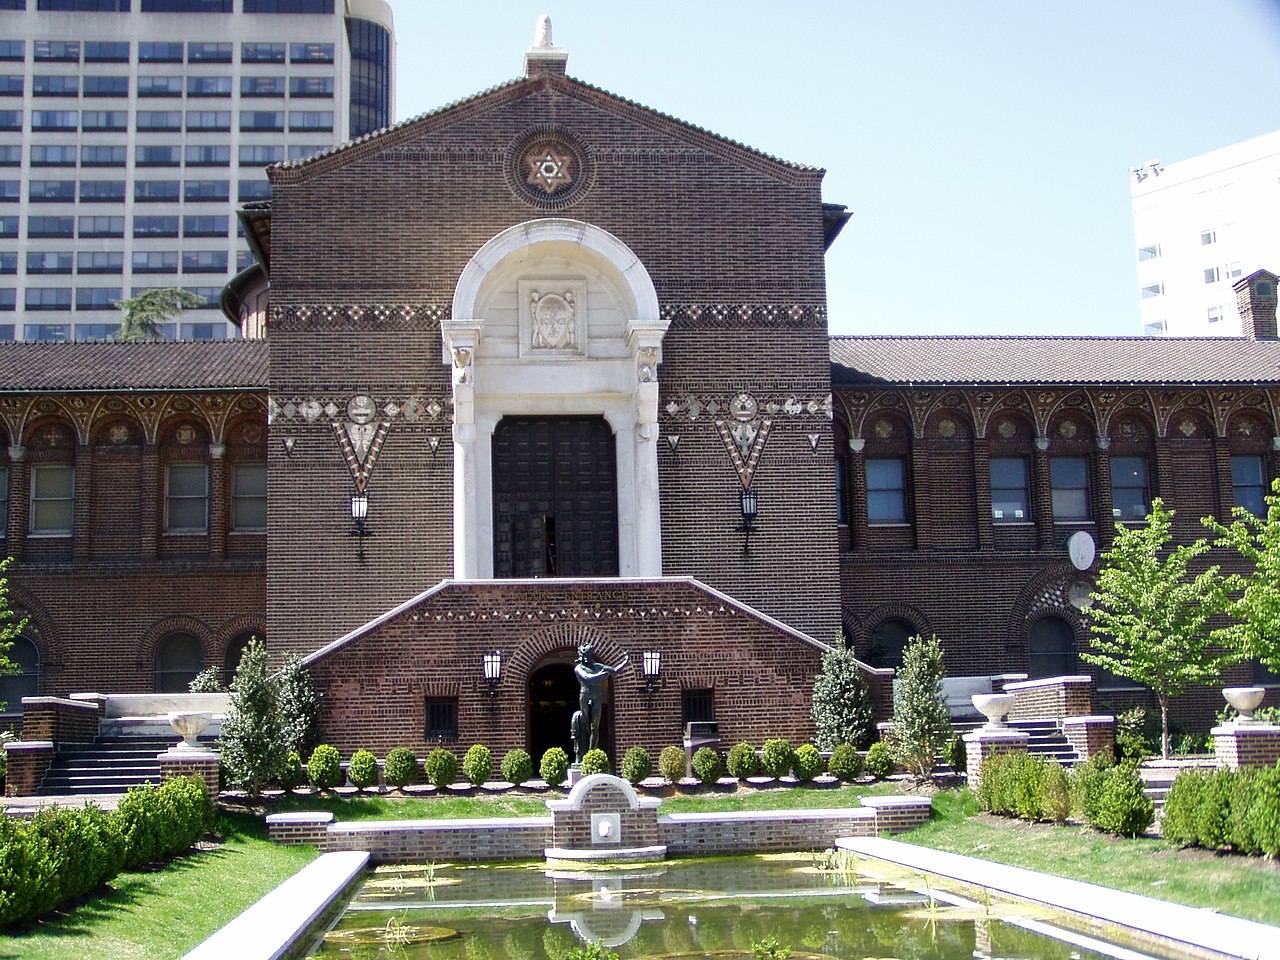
[593, 676]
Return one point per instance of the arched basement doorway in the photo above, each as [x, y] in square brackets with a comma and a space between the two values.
[553, 698]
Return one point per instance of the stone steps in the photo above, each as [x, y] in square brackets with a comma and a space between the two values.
[110, 764]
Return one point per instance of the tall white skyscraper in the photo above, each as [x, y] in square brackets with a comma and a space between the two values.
[131, 130]
[1200, 225]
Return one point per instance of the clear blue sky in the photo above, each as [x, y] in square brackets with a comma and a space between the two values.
[983, 147]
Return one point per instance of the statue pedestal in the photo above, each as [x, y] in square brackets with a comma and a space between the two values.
[575, 774]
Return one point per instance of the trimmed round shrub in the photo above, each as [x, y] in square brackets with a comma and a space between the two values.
[879, 760]
[517, 767]
[1264, 812]
[362, 769]
[291, 775]
[707, 766]
[554, 766]
[1055, 793]
[1212, 817]
[807, 763]
[776, 758]
[401, 767]
[636, 764]
[477, 765]
[742, 761]
[441, 767]
[1180, 807]
[1122, 806]
[595, 761]
[846, 762]
[671, 763]
[324, 769]
[1242, 836]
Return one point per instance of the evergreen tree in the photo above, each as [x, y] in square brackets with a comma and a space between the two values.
[254, 743]
[841, 706]
[1150, 622]
[142, 316]
[921, 722]
[299, 707]
[1255, 602]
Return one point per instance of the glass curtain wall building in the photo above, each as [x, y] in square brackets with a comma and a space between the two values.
[131, 130]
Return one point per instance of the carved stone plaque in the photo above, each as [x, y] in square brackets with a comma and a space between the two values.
[553, 318]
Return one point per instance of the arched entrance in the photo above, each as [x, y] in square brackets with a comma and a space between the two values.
[553, 698]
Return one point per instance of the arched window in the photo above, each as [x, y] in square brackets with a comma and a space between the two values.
[888, 641]
[1051, 648]
[179, 658]
[26, 681]
[235, 650]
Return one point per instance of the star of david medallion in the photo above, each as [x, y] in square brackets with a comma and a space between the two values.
[548, 168]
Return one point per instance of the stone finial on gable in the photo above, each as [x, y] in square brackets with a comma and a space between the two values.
[544, 57]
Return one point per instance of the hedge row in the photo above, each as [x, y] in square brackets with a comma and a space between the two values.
[64, 853]
[1214, 809]
[1106, 795]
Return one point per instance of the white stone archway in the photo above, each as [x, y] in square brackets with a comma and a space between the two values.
[555, 316]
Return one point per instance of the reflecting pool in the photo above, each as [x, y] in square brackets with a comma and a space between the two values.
[684, 908]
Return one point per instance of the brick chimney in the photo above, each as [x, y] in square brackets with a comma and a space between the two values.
[544, 57]
[1256, 298]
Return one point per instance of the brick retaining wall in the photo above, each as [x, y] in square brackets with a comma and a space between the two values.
[58, 720]
[1052, 699]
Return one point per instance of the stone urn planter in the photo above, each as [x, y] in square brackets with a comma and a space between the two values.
[1245, 700]
[190, 725]
[993, 706]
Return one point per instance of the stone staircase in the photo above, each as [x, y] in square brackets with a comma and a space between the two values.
[111, 764]
[1047, 740]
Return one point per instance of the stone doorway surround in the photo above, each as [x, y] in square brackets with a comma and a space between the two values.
[555, 316]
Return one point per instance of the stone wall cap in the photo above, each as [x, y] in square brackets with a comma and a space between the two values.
[996, 736]
[59, 702]
[20, 745]
[1254, 729]
[305, 816]
[411, 826]
[1093, 718]
[889, 803]
[1074, 681]
[580, 789]
[831, 813]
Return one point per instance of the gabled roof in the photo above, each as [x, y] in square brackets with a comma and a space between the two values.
[1084, 361]
[301, 169]
[109, 365]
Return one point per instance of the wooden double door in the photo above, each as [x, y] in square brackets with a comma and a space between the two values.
[555, 498]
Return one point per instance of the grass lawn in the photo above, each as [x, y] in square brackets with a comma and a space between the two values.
[1246, 887]
[163, 913]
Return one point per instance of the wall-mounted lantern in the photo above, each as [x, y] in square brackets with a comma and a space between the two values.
[493, 671]
[651, 668]
[359, 515]
[750, 508]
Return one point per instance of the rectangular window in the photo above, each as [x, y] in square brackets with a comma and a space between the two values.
[110, 120]
[311, 87]
[1211, 275]
[13, 49]
[1130, 493]
[100, 262]
[9, 227]
[96, 331]
[102, 191]
[1214, 314]
[442, 719]
[107, 51]
[86, 6]
[310, 119]
[262, 53]
[260, 156]
[62, 227]
[204, 261]
[11, 85]
[55, 85]
[106, 86]
[159, 52]
[261, 120]
[101, 227]
[155, 261]
[159, 86]
[311, 53]
[42, 262]
[51, 191]
[8, 261]
[55, 120]
[186, 6]
[97, 298]
[156, 191]
[1208, 237]
[203, 191]
[302, 150]
[1149, 252]
[186, 498]
[204, 331]
[10, 119]
[1152, 290]
[4, 501]
[212, 296]
[150, 121]
[697, 706]
[104, 156]
[253, 190]
[65, 51]
[1010, 495]
[886, 490]
[8, 303]
[47, 332]
[53, 156]
[207, 156]
[288, 6]
[1234, 270]
[208, 86]
[1069, 478]
[262, 86]
[52, 500]
[209, 52]
[1248, 484]
[842, 514]
[204, 120]
[249, 496]
[213, 226]
[157, 156]
[155, 226]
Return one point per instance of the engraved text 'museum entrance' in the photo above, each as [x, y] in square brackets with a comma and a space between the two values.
[555, 498]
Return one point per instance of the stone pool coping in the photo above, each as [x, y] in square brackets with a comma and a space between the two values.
[274, 927]
[1201, 931]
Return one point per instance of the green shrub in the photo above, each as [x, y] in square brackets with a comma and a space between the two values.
[707, 766]
[27, 872]
[776, 758]
[159, 822]
[441, 767]
[1241, 835]
[879, 760]
[291, 775]
[921, 723]
[1264, 811]
[362, 769]
[846, 762]
[517, 767]
[742, 761]
[1122, 807]
[636, 764]
[671, 763]
[324, 769]
[595, 761]
[841, 705]
[957, 755]
[400, 768]
[554, 767]
[86, 846]
[1212, 817]
[299, 704]
[208, 680]
[1087, 782]
[1180, 808]
[1131, 735]
[1055, 793]
[807, 763]
[253, 742]
[477, 765]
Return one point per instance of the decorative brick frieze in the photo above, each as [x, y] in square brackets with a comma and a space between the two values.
[381, 317]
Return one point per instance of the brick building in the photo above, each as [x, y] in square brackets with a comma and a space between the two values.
[546, 366]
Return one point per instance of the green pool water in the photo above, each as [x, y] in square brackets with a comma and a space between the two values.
[683, 908]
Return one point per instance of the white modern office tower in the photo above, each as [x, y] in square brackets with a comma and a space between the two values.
[1200, 225]
[131, 130]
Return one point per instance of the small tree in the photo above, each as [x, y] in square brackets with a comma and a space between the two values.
[299, 706]
[921, 723]
[253, 742]
[1255, 601]
[10, 625]
[142, 316]
[1150, 623]
[841, 707]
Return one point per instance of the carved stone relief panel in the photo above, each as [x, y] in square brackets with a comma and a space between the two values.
[553, 318]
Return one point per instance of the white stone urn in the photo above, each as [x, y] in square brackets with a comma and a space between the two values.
[994, 706]
[1245, 700]
[190, 724]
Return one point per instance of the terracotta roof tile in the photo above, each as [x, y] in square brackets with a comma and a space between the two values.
[142, 365]
[927, 361]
